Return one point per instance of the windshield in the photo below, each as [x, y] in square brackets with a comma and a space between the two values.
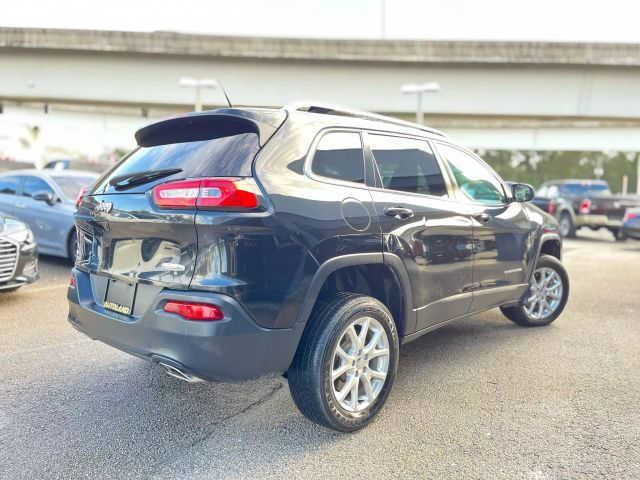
[585, 189]
[71, 185]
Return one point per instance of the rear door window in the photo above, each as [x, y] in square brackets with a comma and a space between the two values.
[339, 155]
[33, 185]
[407, 165]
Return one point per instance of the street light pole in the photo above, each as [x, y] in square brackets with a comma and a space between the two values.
[198, 84]
[418, 89]
[419, 111]
[198, 104]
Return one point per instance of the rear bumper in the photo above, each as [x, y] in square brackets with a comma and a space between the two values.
[597, 221]
[232, 349]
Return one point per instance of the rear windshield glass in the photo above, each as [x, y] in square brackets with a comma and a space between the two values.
[585, 189]
[221, 157]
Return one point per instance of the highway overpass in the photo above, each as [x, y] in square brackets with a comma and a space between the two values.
[99, 86]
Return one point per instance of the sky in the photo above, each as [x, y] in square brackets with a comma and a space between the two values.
[539, 20]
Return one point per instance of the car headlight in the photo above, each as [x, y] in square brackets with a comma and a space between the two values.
[21, 236]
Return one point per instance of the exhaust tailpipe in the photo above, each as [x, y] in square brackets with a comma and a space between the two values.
[176, 372]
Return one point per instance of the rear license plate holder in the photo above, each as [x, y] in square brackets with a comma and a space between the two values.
[120, 296]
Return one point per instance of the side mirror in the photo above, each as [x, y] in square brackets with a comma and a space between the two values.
[44, 197]
[522, 192]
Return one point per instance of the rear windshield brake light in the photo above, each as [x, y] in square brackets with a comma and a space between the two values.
[208, 193]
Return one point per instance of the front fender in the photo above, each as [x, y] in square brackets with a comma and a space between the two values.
[547, 235]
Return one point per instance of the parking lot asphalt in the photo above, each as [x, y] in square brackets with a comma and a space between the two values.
[480, 398]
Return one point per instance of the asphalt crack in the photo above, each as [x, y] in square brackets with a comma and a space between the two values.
[251, 406]
[212, 428]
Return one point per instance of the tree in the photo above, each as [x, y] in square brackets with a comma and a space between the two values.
[536, 167]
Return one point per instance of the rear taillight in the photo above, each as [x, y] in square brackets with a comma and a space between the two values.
[72, 281]
[585, 206]
[194, 311]
[551, 207]
[183, 194]
[83, 192]
[206, 193]
[630, 216]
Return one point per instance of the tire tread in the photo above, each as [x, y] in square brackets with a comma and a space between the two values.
[305, 374]
[518, 314]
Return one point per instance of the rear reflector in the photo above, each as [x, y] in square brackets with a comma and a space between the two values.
[207, 193]
[585, 206]
[194, 311]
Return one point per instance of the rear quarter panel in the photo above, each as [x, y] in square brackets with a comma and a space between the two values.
[309, 214]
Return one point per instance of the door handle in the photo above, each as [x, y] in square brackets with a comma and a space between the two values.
[20, 205]
[400, 213]
[482, 217]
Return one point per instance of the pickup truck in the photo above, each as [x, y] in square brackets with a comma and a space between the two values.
[584, 203]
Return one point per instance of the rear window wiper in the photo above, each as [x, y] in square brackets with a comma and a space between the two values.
[128, 180]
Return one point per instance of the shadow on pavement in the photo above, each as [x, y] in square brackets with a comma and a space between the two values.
[103, 413]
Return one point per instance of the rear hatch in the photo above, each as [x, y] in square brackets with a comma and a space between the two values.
[137, 223]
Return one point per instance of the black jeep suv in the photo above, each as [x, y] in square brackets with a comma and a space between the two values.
[307, 242]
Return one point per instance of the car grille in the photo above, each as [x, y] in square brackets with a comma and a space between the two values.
[8, 259]
[85, 226]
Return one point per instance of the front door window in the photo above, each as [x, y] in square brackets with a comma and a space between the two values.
[476, 183]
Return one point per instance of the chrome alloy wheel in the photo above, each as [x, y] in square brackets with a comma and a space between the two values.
[545, 294]
[360, 364]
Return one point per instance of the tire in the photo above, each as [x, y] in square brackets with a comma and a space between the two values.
[566, 226]
[72, 247]
[310, 376]
[525, 315]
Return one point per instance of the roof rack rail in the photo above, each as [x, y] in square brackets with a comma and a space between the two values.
[328, 109]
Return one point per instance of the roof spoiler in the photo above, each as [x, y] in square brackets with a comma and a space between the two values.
[223, 122]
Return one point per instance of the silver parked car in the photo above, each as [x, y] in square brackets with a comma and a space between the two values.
[18, 254]
[45, 200]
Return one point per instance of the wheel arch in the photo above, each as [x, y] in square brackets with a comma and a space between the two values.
[550, 244]
[566, 209]
[369, 274]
